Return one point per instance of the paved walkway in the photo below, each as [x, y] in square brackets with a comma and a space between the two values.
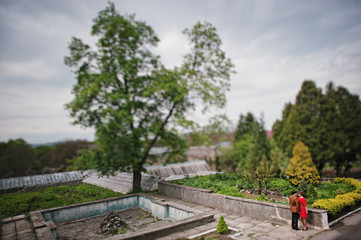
[16, 228]
[251, 228]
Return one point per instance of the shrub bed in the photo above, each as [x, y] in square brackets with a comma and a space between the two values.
[342, 201]
[231, 183]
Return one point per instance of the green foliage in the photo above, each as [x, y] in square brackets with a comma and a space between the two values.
[222, 227]
[350, 181]
[330, 205]
[262, 197]
[227, 160]
[123, 230]
[218, 163]
[241, 149]
[43, 156]
[245, 185]
[320, 196]
[265, 171]
[301, 167]
[340, 191]
[245, 126]
[329, 190]
[326, 122]
[224, 183]
[281, 186]
[343, 127]
[311, 194]
[340, 202]
[86, 160]
[132, 100]
[17, 157]
[114, 231]
[17, 203]
[259, 148]
[278, 158]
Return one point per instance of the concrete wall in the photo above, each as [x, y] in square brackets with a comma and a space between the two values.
[317, 218]
[97, 208]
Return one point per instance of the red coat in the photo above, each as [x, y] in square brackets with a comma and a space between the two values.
[303, 204]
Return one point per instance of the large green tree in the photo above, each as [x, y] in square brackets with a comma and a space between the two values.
[245, 125]
[131, 99]
[301, 122]
[329, 123]
[342, 127]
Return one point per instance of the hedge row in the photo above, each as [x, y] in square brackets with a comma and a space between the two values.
[336, 205]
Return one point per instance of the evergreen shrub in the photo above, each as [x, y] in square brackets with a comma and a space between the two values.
[301, 167]
[222, 227]
[331, 205]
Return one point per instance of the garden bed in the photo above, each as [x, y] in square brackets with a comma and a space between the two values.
[279, 190]
[338, 197]
[262, 210]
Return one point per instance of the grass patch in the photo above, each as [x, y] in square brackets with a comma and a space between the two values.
[17, 203]
[225, 183]
[330, 190]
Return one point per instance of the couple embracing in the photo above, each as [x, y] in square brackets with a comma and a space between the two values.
[298, 209]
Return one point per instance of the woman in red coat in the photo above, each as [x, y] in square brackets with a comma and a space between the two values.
[303, 211]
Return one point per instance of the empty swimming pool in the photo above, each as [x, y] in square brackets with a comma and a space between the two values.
[180, 217]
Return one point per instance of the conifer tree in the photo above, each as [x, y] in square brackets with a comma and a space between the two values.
[329, 123]
[222, 227]
[301, 167]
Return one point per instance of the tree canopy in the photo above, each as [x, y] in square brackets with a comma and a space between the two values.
[329, 123]
[131, 99]
[16, 158]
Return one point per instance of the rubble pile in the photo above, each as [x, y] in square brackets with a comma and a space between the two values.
[111, 221]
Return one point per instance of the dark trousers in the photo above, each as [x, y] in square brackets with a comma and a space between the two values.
[295, 217]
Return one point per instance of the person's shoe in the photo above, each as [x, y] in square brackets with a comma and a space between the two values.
[297, 229]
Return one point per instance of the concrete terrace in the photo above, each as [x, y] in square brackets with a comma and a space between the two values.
[251, 228]
[18, 227]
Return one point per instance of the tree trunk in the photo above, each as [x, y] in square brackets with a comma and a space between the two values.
[137, 179]
[338, 168]
[266, 187]
[259, 186]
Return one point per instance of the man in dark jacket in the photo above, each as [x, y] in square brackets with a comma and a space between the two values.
[295, 209]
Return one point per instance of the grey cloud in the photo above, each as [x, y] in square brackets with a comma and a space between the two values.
[275, 45]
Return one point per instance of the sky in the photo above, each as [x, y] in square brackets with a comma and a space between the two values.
[275, 46]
